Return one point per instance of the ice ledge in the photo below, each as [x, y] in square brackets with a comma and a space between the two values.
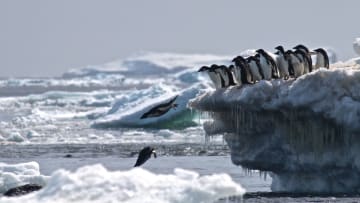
[303, 131]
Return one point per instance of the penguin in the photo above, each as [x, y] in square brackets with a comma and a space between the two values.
[308, 65]
[145, 155]
[229, 78]
[214, 77]
[22, 190]
[282, 62]
[322, 59]
[296, 66]
[160, 109]
[243, 71]
[268, 65]
[304, 60]
[254, 66]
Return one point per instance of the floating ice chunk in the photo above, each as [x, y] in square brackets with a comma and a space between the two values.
[130, 116]
[97, 184]
[20, 174]
[15, 137]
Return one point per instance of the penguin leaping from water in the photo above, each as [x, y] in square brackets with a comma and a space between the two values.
[160, 109]
[145, 155]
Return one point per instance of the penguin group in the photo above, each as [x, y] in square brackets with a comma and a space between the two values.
[264, 65]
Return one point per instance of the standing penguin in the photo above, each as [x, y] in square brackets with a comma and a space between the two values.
[242, 69]
[304, 60]
[229, 78]
[268, 65]
[322, 59]
[307, 57]
[255, 69]
[295, 64]
[282, 62]
[214, 77]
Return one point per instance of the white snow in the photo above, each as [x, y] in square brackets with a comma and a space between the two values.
[96, 184]
[20, 174]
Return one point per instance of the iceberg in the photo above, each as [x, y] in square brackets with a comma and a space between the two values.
[304, 131]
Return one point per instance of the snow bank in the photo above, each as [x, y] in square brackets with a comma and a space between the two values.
[20, 174]
[97, 184]
[129, 115]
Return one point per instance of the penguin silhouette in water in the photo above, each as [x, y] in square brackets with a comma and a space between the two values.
[160, 109]
[144, 155]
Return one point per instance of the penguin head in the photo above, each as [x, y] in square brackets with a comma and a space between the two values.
[280, 49]
[214, 66]
[231, 67]
[239, 60]
[204, 68]
[301, 47]
[260, 51]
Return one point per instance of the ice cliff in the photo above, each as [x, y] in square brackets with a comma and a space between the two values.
[304, 131]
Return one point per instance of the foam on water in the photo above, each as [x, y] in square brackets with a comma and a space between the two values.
[96, 184]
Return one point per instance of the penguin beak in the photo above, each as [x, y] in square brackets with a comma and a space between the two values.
[154, 153]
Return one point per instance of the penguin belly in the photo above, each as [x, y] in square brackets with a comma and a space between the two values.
[320, 61]
[215, 79]
[255, 71]
[266, 68]
[283, 66]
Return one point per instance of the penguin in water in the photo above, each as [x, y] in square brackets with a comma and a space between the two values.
[307, 57]
[254, 66]
[282, 62]
[242, 70]
[160, 109]
[145, 155]
[322, 59]
[296, 65]
[268, 65]
[214, 76]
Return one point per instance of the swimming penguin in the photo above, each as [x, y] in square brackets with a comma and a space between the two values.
[282, 62]
[22, 190]
[160, 109]
[254, 66]
[268, 65]
[296, 66]
[322, 59]
[308, 65]
[243, 75]
[145, 155]
[214, 77]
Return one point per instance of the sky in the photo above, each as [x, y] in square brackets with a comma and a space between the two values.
[47, 38]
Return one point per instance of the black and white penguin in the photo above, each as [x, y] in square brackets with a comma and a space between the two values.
[307, 57]
[296, 66]
[268, 65]
[227, 75]
[145, 155]
[160, 109]
[214, 77]
[282, 62]
[322, 58]
[243, 74]
[304, 60]
[22, 190]
[254, 66]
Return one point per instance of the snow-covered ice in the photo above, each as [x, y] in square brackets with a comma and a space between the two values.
[96, 184]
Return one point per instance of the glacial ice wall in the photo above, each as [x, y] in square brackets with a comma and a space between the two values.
[304, 131]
